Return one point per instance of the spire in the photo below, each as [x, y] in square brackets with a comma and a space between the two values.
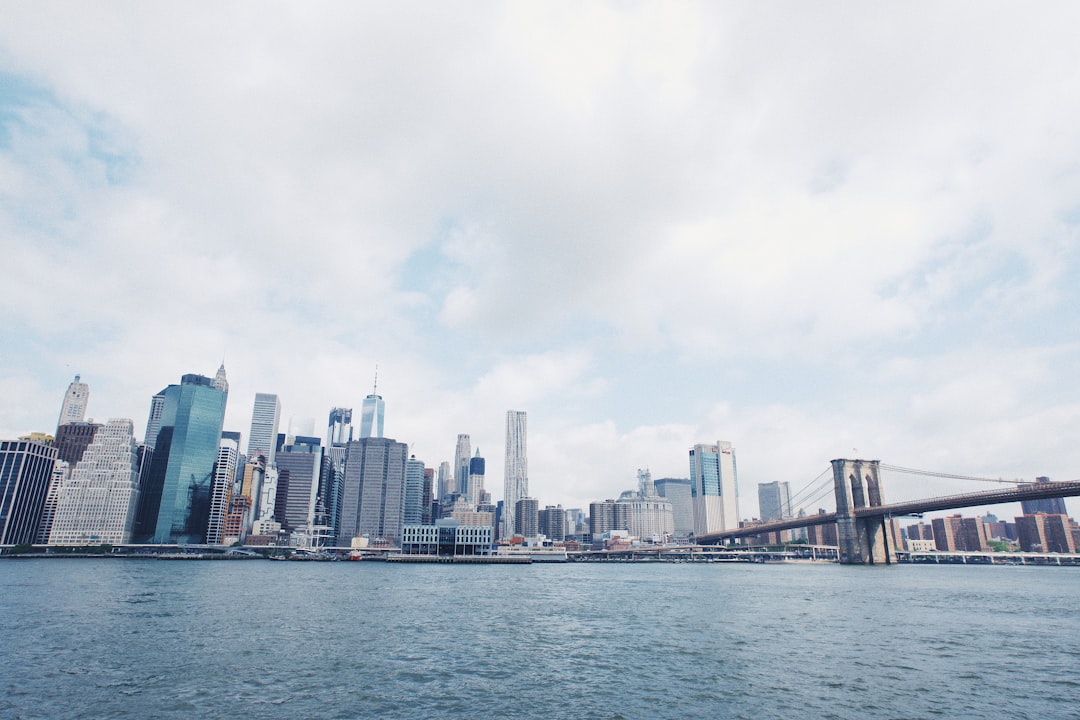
[220, 383]
[375, 388]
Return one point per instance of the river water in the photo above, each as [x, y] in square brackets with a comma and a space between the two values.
[104, 638]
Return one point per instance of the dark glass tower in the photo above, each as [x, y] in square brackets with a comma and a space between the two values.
[174, 506]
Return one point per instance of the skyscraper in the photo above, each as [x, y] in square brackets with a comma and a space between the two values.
[302, 472]
[1046, 506]
[461, 464]
[221, 489]
[445, 476]
[174, 506]
[414, 491]
[374, 497]
[153, 421]
[527, 517]
[72, 439]
[372, 413]
[96, 504]
[339, 430]
[774, 501]
[25, 473]
[476, 479]
[515, 468]
[265, 417]
[220, 382]
[677, 491]
[73, 408]
[714, 488]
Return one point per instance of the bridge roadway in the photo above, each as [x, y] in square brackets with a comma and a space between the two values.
[1035, 491]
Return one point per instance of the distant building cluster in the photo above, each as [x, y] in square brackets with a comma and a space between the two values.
[191, 482]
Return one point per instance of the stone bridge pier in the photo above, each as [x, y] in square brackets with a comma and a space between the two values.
[863, 540]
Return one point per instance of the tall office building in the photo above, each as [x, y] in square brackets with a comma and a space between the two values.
[174, 506]
[72, 439]
[515, 468]
[221, 489]
[265, 417]
[414, 491]
[646, 488]
[372, 412]
[153, 420]
[461, 464]
[61, 472]
[339, 430]
[1046, 506]
[26, 468]
[551, 522]
[373, 502]
[475, 489]
[677, 492]
[774, 501]
[714, 488]
[527, 517]
[445, 476]
[303, 472]
[73, 408]
[96, 504]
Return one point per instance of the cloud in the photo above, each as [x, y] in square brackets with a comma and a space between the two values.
[801, 229]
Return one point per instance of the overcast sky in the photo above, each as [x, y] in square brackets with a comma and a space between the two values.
[814, 230]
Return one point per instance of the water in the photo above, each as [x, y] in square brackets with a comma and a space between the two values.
[254, 639]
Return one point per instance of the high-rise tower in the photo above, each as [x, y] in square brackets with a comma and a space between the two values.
[372, 412]
[73, 408]
[461, 464]
[374, 496]
[26, 468]
[174, 506]
[96, 504]
[476, 478]
[265, 417]
[515, 469]
[714, 488]
[339, 430]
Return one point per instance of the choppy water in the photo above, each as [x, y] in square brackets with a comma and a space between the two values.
[255, 639]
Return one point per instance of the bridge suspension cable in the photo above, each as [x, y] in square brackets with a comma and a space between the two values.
[948, 476]
[813, 491]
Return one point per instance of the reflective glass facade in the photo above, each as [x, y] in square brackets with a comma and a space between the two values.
[175, 506]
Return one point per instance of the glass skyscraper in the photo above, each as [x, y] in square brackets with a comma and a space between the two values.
[515, 469]
[372, 413]
[26, 468]
[714, 488]
[174, 506]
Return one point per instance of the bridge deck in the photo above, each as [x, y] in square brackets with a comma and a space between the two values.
[1035, 491]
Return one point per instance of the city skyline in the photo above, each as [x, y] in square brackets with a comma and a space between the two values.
[650, 226]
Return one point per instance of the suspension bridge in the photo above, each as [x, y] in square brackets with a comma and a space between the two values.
[864, 534]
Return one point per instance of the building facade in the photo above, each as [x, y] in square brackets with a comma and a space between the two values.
[174, 506]
[73, 408]
[374, 495]
[714, 488]
[677, 492]
[527, 517]
[515, 467]
[26, 469]
[96, 504]
[265, 419]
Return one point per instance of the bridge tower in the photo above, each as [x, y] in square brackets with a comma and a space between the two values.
[867, 540]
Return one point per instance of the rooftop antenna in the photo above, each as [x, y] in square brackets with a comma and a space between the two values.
[375, 389]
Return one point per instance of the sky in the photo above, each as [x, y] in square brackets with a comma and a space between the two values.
[814, 230]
